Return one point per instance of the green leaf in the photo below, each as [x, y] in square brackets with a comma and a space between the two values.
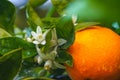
[49, 22]
[81, 26]
[65, 30]
[4, 33]
[106, 11]
[10, 64]
[9, 43]
[7, 15]
[36, 3]
[32, 17]
[30, 69]
[65, 57]
[60, 5]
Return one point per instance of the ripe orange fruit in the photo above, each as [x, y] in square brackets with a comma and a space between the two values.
[96, 55]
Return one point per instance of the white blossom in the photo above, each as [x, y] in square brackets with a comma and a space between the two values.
[38, 36]
[48, 57]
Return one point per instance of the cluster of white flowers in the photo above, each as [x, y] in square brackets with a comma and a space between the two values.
[39, 38]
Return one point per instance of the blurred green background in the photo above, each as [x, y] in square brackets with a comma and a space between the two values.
[106, 11]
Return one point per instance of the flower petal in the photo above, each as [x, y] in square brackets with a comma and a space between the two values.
[74, 19]
[43, 42]
[36, 42]
[34, 34]
[54, 35]
[61, 41]
[40, 60]
[39, 30]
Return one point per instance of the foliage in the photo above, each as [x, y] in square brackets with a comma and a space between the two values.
[38, 55]
[10, 63]
[7, 15]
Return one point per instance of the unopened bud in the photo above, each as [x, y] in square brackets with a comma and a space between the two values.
[74, 19]
[29, 39]
[48, 64]
[38, 59]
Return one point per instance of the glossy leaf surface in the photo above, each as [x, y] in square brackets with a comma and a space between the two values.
[10, 43]
[10, 64]
[7, 15]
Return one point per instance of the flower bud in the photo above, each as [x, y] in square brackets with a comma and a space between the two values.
[38, 59]
[48, 64]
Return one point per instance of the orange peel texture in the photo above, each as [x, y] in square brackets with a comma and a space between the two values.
[96, 55]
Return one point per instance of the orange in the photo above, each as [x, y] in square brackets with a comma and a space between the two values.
[96, 55]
